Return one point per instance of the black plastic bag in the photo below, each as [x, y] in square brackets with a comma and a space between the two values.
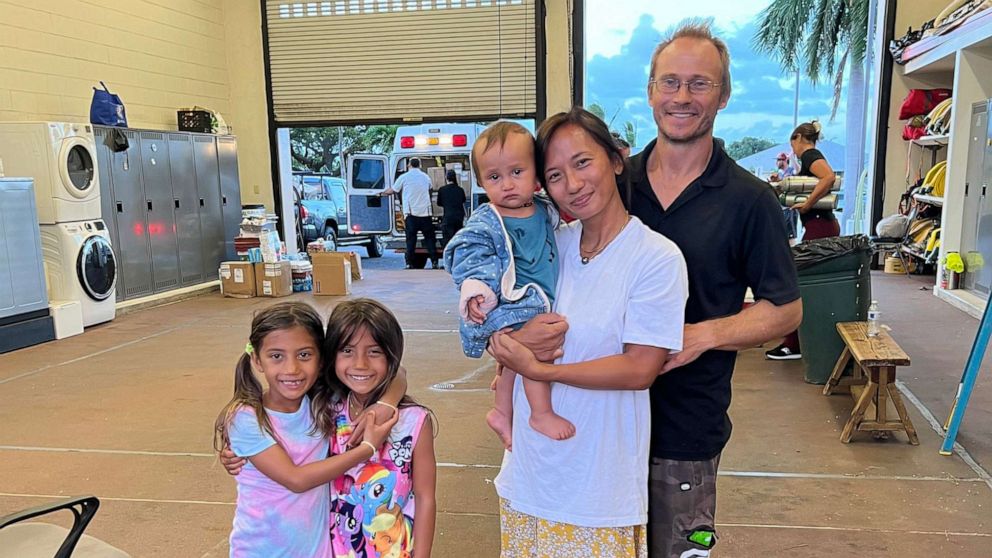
[813, 252]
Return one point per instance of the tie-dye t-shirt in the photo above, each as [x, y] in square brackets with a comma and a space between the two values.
[372, 505]
[270, 520]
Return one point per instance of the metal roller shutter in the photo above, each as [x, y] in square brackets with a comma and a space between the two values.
[391, 60]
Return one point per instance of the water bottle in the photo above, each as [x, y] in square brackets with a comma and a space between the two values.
[873, 315]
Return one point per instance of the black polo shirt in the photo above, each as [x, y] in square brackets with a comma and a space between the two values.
[451, 198]
[730, 229]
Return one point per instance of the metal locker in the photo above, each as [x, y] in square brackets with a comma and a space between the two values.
[187, 209]
[981, 274]
[159, 206]
[975, 182]
[108, 211]
[132, 219]
[211, 216]
[230, 190]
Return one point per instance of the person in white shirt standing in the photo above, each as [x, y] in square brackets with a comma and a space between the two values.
[415, 186]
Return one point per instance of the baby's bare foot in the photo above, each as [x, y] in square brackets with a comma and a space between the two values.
[502, 425]
[552, 425]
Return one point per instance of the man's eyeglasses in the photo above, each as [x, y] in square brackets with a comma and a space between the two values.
[696, 86]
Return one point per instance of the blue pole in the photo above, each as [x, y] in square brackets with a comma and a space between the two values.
[971, 369]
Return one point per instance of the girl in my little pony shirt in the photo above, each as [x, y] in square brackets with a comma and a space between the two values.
[384, 508]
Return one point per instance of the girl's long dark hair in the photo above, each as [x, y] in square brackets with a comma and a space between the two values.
[247, 389]
[344, 324]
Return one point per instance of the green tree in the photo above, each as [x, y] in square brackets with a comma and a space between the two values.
[748, 145]
[823, 39]
[629, 133]
[320, 149]
[598, 110]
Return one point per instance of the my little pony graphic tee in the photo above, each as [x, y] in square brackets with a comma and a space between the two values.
[270, 520]
[372, 505]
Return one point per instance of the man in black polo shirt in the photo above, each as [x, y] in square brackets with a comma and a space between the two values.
[451, 198]
[729, 227]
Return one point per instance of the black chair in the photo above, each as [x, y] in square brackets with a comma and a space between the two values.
[22, 539]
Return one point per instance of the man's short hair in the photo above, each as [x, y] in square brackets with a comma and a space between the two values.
[695, 28]
[415, 163]
[493, 135]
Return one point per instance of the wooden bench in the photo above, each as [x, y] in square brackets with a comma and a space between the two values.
[873, 381]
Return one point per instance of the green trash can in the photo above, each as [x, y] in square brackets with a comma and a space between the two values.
[835, 286]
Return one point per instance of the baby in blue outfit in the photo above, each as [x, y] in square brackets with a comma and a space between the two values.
[506, 260]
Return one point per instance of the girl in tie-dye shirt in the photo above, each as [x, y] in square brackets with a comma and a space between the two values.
[383, 507]
[282, 508]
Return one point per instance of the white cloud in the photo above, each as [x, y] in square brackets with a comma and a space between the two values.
[609, 23]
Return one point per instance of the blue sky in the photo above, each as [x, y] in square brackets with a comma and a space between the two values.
[620, 37]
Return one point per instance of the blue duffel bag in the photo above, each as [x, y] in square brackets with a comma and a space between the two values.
[107, 109]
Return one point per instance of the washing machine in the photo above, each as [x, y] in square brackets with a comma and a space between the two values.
[80, 266]
[61, 157]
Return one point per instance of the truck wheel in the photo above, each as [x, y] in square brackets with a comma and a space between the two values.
[376, 246]
[330, 239]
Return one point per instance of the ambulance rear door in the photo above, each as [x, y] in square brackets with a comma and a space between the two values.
[368, 213]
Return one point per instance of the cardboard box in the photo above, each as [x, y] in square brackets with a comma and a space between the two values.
[437, 177]
[355, 259]
[356, 266]
[237, 279]
[331, 274]
[274, 279]
[67, 316]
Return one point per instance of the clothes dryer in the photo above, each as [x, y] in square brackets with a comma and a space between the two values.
[61, 157]
[80, 265]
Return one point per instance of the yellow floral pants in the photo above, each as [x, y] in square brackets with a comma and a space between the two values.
[525, 536]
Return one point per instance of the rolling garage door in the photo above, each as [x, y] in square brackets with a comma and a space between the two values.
[393, 60]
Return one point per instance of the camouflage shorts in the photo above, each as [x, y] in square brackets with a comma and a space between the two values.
[681, 508]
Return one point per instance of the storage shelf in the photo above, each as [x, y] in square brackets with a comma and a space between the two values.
[932, 200]
[975, 34]
[932, 141]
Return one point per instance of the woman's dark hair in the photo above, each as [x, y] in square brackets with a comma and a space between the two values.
[247, 389]
[592, 125]
[451, 176]
[809, 131]
[342, 327]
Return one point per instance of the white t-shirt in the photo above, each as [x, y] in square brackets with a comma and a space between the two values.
[633, 292]
[416, 188]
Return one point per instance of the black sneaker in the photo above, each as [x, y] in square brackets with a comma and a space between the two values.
[782, 353]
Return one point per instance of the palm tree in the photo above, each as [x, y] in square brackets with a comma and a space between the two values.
[822, 38]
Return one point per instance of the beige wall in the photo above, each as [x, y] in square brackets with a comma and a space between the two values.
[248, 105]
[158, 55]
[558, 66]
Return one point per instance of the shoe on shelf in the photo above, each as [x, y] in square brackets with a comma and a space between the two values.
[782, 353]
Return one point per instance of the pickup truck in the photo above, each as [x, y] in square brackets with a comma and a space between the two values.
[323, 214]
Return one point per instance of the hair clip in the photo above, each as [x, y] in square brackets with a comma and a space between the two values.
[248, 348]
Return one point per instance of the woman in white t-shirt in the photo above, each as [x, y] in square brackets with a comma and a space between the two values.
[623, 289]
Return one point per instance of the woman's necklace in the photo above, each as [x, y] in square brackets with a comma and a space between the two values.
[595, 252]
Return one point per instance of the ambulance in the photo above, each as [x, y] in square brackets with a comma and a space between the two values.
[440, 147]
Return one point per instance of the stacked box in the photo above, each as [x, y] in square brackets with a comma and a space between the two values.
[274, 279]
[237, 279]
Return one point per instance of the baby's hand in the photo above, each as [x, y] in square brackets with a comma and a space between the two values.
[475, 313]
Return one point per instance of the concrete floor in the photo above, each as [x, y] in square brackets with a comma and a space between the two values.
[125, 412]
